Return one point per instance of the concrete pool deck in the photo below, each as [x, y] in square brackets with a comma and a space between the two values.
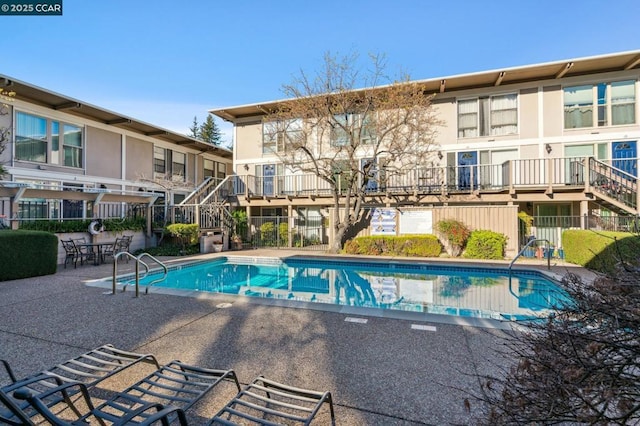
[382, 372]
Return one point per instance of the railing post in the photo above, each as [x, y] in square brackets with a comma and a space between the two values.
[549, 175]
[115, 269]
[586, 173]
[137, 276]
[472, 173]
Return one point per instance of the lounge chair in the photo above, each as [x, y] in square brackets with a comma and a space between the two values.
[266, 402]
[89, 369]
[163, 396]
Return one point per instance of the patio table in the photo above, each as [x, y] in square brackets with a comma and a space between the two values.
[97, 249]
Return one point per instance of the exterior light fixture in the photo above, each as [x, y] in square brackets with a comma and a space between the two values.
[548, 148]
[440, 155]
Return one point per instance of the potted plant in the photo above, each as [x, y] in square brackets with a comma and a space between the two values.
[236, 242]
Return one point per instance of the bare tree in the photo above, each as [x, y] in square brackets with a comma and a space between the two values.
[580, 366]
[350, 137]
[5, 132]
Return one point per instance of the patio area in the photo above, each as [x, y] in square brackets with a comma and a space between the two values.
[379, 372]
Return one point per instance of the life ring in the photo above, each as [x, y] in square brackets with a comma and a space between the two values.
[96, 227]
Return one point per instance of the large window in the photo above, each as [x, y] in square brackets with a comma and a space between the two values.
[168, 164]
[276, 135]
[363, 129]
[488, 116]
[42, 140]
[31, 137]
[616, 105]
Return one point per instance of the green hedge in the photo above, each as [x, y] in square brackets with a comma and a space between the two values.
[406, 245]
[57, 226]
[597, 250]
[186, 233]
[26, 254]
[484, 244]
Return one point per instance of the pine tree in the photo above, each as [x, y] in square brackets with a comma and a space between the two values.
[210, 132]
[194, 130]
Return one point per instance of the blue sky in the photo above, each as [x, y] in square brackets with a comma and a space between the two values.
[165, 62]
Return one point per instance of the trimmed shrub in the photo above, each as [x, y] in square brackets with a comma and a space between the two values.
[525, 222]
[57, 226]
[26, 254]
[185, 233]
[268, 234]
[168, 249]
[406, 245]
[484, 244]
[283, 230]
[455, 235]
[600, 250]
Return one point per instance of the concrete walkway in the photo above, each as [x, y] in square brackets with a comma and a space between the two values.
[382, 372]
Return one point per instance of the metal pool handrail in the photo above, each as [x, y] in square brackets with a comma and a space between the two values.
[162, 265]
[526, 246]
[137, 272]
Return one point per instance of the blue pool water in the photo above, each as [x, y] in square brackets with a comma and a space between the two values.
[441, 289]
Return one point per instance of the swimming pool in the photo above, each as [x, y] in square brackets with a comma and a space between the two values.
[466, 291]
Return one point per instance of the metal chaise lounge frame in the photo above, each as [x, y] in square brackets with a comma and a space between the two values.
[266, 402]
[89, 369]
[163, 396]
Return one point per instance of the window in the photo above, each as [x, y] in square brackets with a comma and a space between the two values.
[159, 160]
[34, 136]
[178, 165]
[276, 135]
[72, 145]
[488, 116]
[222, 170]
[616, 105]
[208, 168]
[362, 128]
[623, 102]
[578, 107]
[31, 138]
[168, 164]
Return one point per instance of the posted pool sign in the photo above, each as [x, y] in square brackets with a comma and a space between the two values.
[34, 7]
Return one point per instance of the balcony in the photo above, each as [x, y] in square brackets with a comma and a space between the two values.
[571, 179]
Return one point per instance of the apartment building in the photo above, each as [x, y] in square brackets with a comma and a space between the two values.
[66, 159]
[557, 140]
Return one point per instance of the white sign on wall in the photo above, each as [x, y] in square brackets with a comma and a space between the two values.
[383, 222]
[416, 222]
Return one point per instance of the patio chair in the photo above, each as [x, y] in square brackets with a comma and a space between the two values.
[163, 396]
[71, 253]
[120, 244]
[266, 402]
[86, 252]
[88, 369]
[74, 254]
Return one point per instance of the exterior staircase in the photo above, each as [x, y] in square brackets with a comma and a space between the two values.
[615, 189]
[207, 205]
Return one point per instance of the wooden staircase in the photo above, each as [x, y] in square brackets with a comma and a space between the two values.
[614, 188]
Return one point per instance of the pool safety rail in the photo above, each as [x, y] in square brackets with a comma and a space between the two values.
[526, 246]
[136, 281]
